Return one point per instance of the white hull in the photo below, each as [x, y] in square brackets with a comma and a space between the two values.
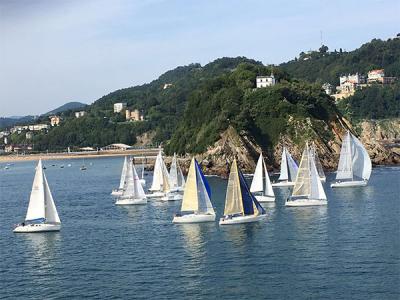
[142, 182]
[323, 179]
[283, 184]
[242, 219]
[131, 201]
[306, 202]
[37, 228]
[262, 198]
[194, 218]
[349, 184]
[155, 195]
[116, 193]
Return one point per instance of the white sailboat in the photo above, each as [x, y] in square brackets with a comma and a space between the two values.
[42, 212]
[119, 190]
[308, 189]
[261, 185]
[288, 170]
[176, 176]
[133, 192]
[318, 164]
[355, 166]
[196, 205]
[240, 204]
[161, 187]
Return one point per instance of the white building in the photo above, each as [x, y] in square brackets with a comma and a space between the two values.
[38, 127]
[376, 76]
[118, 107]
[352, 78]
[328, 88]
[265, 81]
[79, 114]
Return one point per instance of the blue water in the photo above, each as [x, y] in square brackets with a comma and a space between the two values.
[349, 249]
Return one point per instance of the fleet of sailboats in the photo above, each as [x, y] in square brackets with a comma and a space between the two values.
[242, 204]
[288, 170]
[308, 189]
[42, 212]
[261, 185]
[355, 166]
[196, 204]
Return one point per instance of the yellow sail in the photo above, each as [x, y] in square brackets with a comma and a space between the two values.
[190, 201]
[233, 200]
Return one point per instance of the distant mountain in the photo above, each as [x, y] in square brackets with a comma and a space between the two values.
[65, 107]
[11, 121]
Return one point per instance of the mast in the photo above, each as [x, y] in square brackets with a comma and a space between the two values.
[123, 173]
[345, 168]
[36, 207]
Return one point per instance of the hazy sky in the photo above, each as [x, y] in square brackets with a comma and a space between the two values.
[53, 52]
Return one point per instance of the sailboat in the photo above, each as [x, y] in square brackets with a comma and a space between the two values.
[42, 212]
[133, 192]
[196, 198]
[261, 183]
[318, 164]
[83, 166]
[308, 189]
[176, 176]
[141, 179]
[160, 187]
[240, 204]
[119, 190]
[288, 170]
[354, 164]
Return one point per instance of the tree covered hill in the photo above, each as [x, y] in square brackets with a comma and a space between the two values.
[323, 66]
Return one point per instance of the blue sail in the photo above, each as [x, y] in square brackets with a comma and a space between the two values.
[248, 198]
[203, 178]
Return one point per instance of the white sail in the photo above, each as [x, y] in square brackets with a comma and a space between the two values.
[129, 187]
[190, 195]
[173, 173]
[157, 174]
[137, 186]
[362, 166]
[123, 174]
[36, 207]
[50, 207]
[268, 190]
[318, 164]
[204, 205]
[257, 184]
[345, 168]
[292, 167]
[317, 190]
[181, 178]
[284, 169]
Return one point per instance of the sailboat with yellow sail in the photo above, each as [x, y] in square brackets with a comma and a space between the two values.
[196, 205]
[240, 204]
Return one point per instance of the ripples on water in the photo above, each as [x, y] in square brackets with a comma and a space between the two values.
[349, 249]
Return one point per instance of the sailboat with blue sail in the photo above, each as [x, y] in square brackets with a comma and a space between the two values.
[196, 205]
[240, 204]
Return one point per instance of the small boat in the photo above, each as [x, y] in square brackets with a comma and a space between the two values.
[119, 190]
[196, 205]
[176, 176]
[160, 188]
[62, 166]
[355, 166]
[261, 185]
[83, 168]
[69, 165]
[133, 192]
[42, 212]
[308, 189]
[288, 170]
[6, 167]
[318, 164]
[240, 204]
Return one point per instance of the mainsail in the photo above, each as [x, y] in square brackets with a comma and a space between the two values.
[197, 192]
[354, 160]
[123, 174]
[318, 164]
[132, 187]
[239, 199]
[288, 167]
[175, 174]
[160, 176]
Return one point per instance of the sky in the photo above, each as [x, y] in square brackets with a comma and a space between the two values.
[53, 52]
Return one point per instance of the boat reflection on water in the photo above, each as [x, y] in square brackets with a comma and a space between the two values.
[195, 237]
[42, 251]
[243, 235]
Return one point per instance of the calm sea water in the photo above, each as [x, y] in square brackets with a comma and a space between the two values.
[349, 249]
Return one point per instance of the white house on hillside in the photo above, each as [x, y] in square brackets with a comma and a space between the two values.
[265, 81]
[118, 107]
